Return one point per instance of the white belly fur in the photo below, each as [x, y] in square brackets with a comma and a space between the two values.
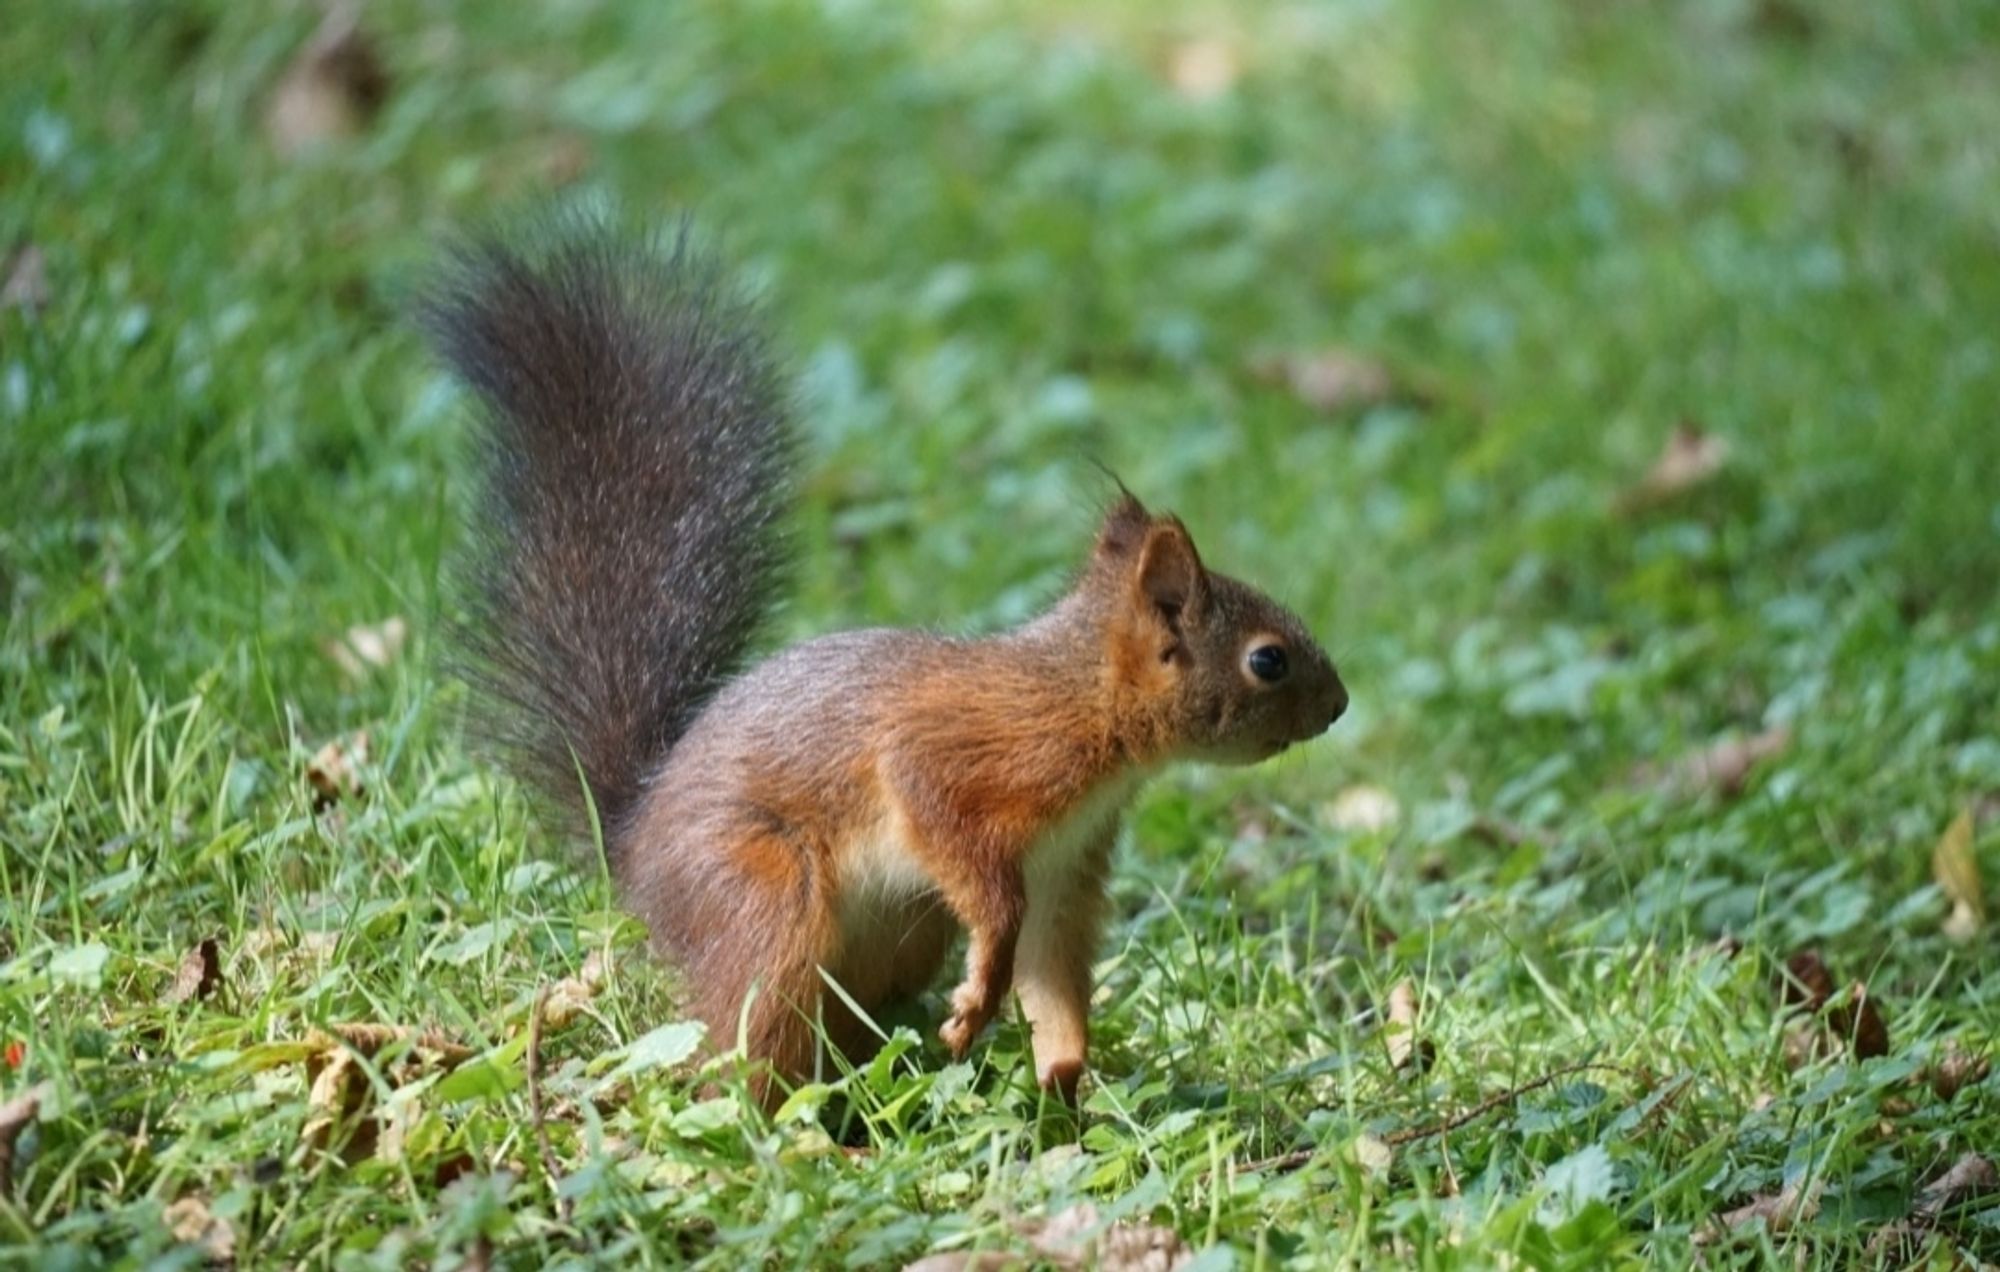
[880, 871]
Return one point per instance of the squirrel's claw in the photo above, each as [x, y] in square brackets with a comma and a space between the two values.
[958, 1033]
[970, 1013]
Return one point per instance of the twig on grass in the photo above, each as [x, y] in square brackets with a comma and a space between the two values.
[1410, 1135]
[550, 1170]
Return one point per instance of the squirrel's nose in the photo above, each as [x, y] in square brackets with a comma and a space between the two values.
[1338, 702]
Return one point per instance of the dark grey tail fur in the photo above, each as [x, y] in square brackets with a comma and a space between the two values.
[625, 543]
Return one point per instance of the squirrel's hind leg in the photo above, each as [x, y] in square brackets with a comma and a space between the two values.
[757, 981]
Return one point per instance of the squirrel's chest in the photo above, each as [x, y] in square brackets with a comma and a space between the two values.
[885, 865]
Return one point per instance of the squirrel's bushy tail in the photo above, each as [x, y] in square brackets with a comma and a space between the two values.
[625, 543]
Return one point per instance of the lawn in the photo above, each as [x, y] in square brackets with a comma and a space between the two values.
[1612, 385]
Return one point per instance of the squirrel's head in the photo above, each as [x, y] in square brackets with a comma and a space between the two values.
[1206, 667]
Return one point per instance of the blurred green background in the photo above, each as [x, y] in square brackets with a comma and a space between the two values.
[1600, 379]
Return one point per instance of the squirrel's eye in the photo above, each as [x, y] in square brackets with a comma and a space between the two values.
[1268, 663]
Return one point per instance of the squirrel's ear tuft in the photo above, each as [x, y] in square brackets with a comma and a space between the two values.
[1124, 528]
[1169, 574]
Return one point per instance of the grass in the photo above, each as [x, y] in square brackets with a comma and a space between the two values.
[999, 244]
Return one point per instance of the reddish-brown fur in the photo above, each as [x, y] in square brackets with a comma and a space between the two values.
[841, 810]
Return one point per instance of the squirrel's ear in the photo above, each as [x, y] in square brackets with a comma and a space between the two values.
[1124, 527]
[1169, 573]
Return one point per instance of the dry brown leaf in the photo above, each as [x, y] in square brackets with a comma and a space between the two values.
[332, 89]
[1806, 1044]
[1330, 380]
[1956, 868]
[1779, 1211]
[1407, 1048]
[1724, 948]
[337, 1098]
[363, 647]
[200, 973]
[1858, 1022]
[1203, 69]
[316, 946]
[1970, 1178]
[341, 1095]
[1372, 1155]
[1806, 984]
[1075, 1238]
[570, 997]
[27, 280]
[192, 1223]
[1721, 768]
[969, 1261]
[429, 1049]
[15, 1117]
[1827, 1024]
[1691, 457]
[1954, 1070]
[334, 772]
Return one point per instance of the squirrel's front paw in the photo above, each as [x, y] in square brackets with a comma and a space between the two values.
[970, 1013]
[958, 1033]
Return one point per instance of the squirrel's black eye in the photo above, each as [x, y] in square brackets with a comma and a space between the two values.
[1268, 663]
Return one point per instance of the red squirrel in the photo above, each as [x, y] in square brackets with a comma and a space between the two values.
[841, 809]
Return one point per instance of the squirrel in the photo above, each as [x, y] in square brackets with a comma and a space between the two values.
[839, 810]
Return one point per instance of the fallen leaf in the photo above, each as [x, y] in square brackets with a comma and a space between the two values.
[1406, 1048]
[334, 772]
[1970, 1178]
[15, 1116]
[1858, 1022]
[1721, 768]
[968, 1261]
[1826, 1024]
[1691, 457]
[1956, 869]
[1805, 1044]
[452, 1169]
[315, 946]
[1778, 1211]
[429, 1050]
[1364, 809]
[1330, 380]
[338, 1095]
[1078, 1238]
[1373, 1155]
[570, 997]
[1203, 69]
[332, 88]
[1955, 1070]
[1806, 984]
[200, 973]
[27, 280]
[1723, 948]
[192, 1223]
[363, 648]
[1075, 1238]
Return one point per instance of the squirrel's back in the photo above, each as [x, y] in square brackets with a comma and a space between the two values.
[625, 541]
